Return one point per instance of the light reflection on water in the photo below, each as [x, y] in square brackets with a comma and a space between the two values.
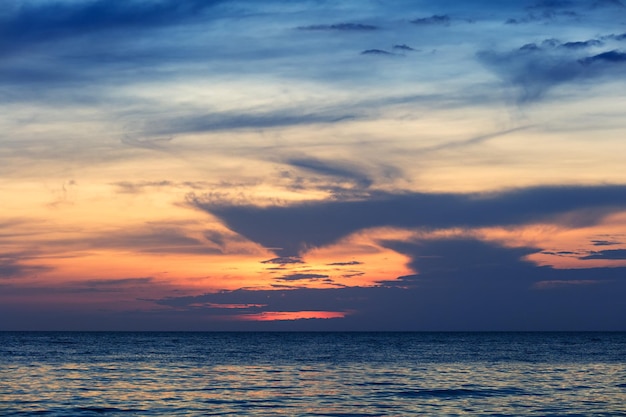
[311, 374]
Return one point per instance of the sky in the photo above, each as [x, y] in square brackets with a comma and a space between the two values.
[312, 165]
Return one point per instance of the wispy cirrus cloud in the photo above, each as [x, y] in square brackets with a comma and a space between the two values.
[535, 69]
[13, 267]
[30, 22]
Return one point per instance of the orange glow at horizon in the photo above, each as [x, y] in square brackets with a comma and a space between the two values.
[291, 315]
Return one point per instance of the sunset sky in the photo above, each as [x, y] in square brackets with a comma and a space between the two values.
[312, 165]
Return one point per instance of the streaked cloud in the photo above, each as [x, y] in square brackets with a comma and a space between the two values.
[433, 20]
[355, 165]
[358, 27]
[294, 228]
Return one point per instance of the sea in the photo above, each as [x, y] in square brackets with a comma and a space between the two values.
[312, 374]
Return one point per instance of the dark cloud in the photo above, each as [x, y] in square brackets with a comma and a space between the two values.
[223, 241]
[28, 22]
[99, 286]
[543, 13]
[535, 69]
[127, 187]
[348, 27]
[284, 260]
[460, 255]
[345, 263]
[620, 37]
[433, 20]
[375, 52]
[582, 44]
[300, 277]
[610, 57]
[607, 254]
[298, 227]
[271, 300]
[13, 268]
[608, 3]
[605, 242]
[154, 238]
[353, 274]
[552, 4]
[462, 284]
[334, 169]
[118, 282]
[403, 47]
[230, 121]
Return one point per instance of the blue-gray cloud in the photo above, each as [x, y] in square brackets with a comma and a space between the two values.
[213, 122]
[301, 277]
[343, 27]
[535, 69]
[376, 52]
[433, 20]
[338, 170]
[403, 47]
[606, 57]
[582, 44]
[29, 22]
[297, 227]
[12, 267]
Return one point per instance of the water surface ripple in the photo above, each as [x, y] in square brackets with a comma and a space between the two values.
[312, 374]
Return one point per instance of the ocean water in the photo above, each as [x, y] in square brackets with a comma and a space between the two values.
[312, 374]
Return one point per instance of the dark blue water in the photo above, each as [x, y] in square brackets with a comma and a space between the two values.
[312, 374]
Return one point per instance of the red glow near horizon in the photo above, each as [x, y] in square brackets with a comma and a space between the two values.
[291, 315]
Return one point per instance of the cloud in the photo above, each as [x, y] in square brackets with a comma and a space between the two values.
[345, 263]
[154, 144]
[433, 20]
[12, 268]
[376, 52]
[300, 277]
[214, 122]
[469, 142]
[403, 47]
[620, 37]
[118, 285]
[546, 11]
[607, 254]
[546, 285]
[604, 242]
[582, 44]
[461, 284]
[297, 227]
[339, 169]
[344, 27]
[29, 22]
[152, 238]
[460, 255]
[544, 16]
[608, 4]
[535, 69]
[22, 263]
[284, 260]
[609, 56]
